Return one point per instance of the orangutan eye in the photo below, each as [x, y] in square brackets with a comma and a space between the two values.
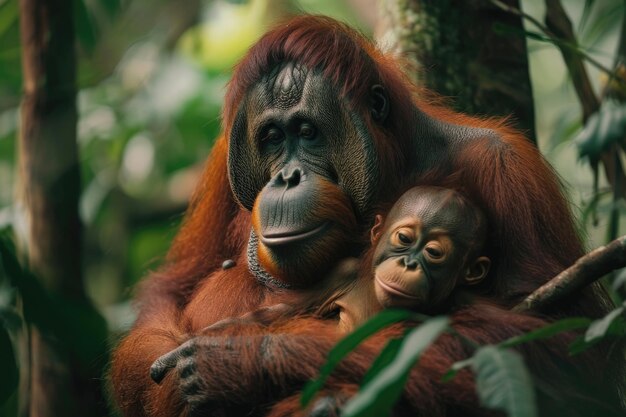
[404, 238]
[307, 131]
[273, 136]
[434, 251]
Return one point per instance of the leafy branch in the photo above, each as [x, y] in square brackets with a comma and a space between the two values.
[555, 39]
[559, 30]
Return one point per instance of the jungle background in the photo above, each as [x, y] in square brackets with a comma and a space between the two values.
[95, 174]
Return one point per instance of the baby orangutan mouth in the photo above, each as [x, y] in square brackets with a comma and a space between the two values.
[395, 290]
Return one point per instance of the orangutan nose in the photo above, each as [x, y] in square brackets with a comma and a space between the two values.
[288, 176]
[410, 262]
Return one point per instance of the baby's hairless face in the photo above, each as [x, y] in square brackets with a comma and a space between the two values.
[426, 247]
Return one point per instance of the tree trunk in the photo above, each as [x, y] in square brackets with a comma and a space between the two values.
[470, 51]
[48, 198]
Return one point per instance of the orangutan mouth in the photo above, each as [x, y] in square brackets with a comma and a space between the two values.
[395, 290]
[285, 238]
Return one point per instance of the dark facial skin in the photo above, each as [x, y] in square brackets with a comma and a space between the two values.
[429, 245]
[302, 160]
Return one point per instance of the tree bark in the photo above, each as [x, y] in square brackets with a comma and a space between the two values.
[48, 195]
[585, 271]
[457, 52]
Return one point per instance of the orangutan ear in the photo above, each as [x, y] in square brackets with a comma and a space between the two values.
[376, 229]
[379, 103]
[477, 271]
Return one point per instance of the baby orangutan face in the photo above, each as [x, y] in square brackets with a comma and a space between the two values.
[428, 245]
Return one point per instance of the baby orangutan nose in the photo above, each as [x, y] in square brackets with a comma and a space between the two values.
[410, 262]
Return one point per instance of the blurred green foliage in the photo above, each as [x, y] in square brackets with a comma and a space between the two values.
[384, 385]
[603, 129]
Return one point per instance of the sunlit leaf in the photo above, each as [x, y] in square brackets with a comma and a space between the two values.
[8, 15]
[378, 396]
[619, 281]
[615, 331]
[455, 368]
[586, 13]
[547, 331]
[503, 382]
[223, 39]
[598, 328]
[603, 128]
[348, 344]
[606, 20]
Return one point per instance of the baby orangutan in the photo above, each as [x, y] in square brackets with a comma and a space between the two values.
[429, 244]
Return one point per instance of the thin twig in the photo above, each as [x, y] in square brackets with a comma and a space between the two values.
[585, 271]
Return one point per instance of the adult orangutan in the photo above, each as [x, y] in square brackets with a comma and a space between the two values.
[319, 129]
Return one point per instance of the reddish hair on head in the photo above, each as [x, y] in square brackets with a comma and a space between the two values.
[343, 55]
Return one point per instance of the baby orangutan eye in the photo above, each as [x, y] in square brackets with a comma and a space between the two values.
[403, 237]
[434, 252]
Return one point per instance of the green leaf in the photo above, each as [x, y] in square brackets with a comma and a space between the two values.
[378, 397]
[86, 29]
[504, 29]
[566, 125]
[503, 382]
[598, 328]
[112, 7]
[11, 319]
[586, 13]
[8, 15]
[548, 331]
[10, 375]
[383, 359]
[605, 22]
[619, 281]
[604, 128]
[616, 330]
[348, 344]
[455, 368]
[75, 322]
[592, 206]
[8, 259]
